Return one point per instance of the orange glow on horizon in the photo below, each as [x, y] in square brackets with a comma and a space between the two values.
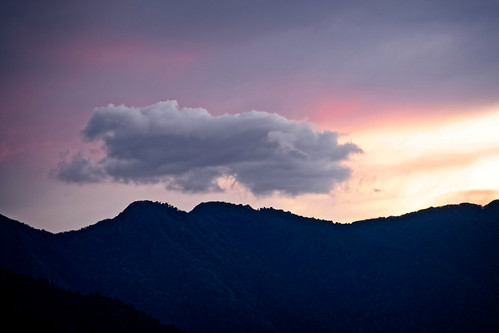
[433, 162]
[361, 115]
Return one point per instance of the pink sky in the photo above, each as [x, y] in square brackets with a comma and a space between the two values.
[415, 86]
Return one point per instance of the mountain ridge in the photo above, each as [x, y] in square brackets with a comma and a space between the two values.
[228, 267]
[492, 206]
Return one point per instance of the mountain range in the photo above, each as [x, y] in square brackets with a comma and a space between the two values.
[230, 268]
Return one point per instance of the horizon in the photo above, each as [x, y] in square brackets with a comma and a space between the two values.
[332, 110]
[245, 205]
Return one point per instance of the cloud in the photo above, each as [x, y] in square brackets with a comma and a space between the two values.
[190, 150]
[79, 170]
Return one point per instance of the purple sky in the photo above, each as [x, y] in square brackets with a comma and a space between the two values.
[356, 101]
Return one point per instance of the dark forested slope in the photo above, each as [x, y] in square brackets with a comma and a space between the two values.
[230, 268]
[30, 305]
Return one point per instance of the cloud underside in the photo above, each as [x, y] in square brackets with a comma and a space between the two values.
[191, 150]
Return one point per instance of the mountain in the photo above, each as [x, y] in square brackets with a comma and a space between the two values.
[30, 304]
[230, 268]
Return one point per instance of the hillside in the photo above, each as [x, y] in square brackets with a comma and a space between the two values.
[31, 304]
[230, 268]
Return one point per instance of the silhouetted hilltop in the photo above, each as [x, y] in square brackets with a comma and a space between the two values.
[492, 208]
[219, 206]
[150, 207]
[231, 268]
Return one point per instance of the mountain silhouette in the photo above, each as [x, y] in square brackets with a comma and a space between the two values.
[230, 268]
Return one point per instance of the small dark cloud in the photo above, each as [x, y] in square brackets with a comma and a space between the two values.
[79, 170]
[189, 150]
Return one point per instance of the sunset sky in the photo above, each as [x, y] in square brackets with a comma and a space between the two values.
[341, 110]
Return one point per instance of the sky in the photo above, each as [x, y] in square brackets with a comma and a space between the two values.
[341, 110]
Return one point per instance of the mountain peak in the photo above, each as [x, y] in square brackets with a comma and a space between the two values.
[492, 206]
[140, 212]
[148, 205]
[212, 206]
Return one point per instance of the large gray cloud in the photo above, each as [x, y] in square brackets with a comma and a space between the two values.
[189, 150]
